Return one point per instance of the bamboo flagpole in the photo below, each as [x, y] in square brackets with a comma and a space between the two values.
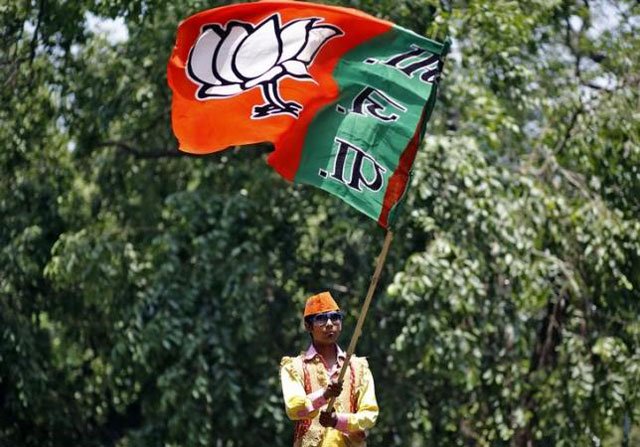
[363, 312]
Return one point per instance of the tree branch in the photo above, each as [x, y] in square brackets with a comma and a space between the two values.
[567, 131]
[598, 87]
[36, 31]
[148, 154]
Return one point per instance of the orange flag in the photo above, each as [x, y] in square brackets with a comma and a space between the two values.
[343, 96]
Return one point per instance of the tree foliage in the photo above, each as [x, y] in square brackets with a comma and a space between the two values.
[146, 296]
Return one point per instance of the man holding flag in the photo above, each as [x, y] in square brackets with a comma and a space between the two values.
[310, 380]
[344, 98]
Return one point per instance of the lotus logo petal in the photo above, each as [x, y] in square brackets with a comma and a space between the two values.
[227, 61]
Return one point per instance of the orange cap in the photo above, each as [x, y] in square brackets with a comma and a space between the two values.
[322, 302]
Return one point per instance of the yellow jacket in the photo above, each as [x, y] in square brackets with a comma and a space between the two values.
[304, 379]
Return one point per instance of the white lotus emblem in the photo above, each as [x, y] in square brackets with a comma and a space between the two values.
[227, 62]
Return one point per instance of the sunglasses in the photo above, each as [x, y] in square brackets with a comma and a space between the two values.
[323, 319]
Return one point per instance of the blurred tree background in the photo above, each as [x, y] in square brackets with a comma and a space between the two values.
[147, 296]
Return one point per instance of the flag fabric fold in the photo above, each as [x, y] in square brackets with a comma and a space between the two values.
[343, 96]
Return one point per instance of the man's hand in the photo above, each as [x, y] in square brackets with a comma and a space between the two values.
[333, 390]
[328, 419]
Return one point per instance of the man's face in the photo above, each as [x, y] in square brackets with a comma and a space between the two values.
[326, 327]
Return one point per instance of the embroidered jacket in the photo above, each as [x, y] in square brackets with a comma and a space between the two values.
[304, 380]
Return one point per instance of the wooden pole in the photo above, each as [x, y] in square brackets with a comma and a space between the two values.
[363, 312]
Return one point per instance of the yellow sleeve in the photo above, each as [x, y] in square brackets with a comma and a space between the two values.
[367, 406]
[296, 402]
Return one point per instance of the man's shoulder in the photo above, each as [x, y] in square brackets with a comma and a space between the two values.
[288, 361]
[360, 361]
